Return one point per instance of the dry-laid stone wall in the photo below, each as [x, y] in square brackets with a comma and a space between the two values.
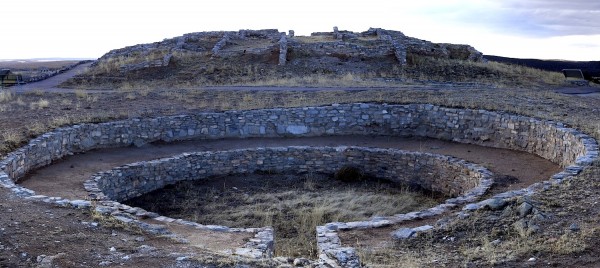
[550, 140]
[283, 49]
[447, 175]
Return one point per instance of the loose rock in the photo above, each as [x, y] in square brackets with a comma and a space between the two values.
[574, 227]
[495, 203]
[403, 233]
[525, 209]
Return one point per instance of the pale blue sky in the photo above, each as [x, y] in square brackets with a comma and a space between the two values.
[547, 29]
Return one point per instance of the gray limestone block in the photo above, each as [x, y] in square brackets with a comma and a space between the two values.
[422, 228]
[494, 203]
[403, 233]
[296, 129]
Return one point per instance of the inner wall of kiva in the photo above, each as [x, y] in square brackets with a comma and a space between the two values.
[444, 174]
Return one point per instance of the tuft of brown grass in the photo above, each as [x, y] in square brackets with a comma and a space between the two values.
[81, 93]
[40, 104]
[6, 96]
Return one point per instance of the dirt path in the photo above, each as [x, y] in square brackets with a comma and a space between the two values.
[65, 178]
[51, 84]
[588, 91]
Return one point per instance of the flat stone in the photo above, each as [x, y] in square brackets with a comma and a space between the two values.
[247, 252]
[296, 130]
[471, 207]
[422, 228]
[123, 219]
[495, 203]
[403, 233]
[81, 203]
[299, 262]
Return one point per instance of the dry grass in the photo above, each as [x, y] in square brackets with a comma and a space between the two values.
[113, 64]
[526, 73]
[499, 75]
[315, 39]
[199, 72]
[81, 93]
[478, 248]
[40, 104]
[9, 138]
[293, 205]
[36, 92]
[6, 96]
[319, 80]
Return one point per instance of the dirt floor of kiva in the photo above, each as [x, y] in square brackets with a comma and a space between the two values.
[514, 170]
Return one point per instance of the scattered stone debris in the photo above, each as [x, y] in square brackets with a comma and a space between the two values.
[574, 227]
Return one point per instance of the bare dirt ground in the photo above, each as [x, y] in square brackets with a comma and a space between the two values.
[30, 229]
[65, 178]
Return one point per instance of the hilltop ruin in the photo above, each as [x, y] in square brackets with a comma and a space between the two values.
[232, 56]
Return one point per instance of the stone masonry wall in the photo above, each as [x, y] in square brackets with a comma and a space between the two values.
[550, 140]
[448, 175]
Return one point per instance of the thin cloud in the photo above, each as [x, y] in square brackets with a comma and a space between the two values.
[538, 18]
[555, 17]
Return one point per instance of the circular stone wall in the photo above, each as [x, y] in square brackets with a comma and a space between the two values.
[550, 140]
[547, 139]
[447, 175]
